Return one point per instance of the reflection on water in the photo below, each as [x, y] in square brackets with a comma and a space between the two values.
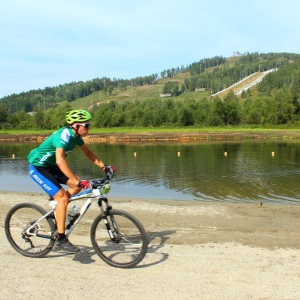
[249, 172]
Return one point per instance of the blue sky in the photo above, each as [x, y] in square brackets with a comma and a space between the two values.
[51, 42]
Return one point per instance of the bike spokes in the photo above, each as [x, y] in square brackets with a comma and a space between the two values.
[28, 232]
[125, 246]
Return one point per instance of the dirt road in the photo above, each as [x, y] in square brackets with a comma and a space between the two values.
[197, 251]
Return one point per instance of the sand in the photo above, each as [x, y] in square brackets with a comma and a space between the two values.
[198, 250]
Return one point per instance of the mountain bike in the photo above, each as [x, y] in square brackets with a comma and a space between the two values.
[117, 236]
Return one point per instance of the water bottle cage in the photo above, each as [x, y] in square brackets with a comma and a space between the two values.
[72, 220]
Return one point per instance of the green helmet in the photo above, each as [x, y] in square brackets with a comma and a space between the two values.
[77, 115]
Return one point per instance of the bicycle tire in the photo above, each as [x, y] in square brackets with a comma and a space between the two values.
[129, 245]
[18, 219]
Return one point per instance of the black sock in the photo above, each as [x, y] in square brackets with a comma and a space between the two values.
[61, 236]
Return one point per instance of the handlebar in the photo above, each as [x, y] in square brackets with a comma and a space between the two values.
[95, 183]
[109, 174]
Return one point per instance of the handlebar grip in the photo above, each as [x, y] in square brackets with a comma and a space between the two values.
[108, 176]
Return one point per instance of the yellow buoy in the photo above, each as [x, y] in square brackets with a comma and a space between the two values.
[178, 154]
[273, 153]
[134, 154]
[13, 156]
[225, 153]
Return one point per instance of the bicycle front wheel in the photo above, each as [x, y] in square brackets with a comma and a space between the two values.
[29, 233]
[119, 239]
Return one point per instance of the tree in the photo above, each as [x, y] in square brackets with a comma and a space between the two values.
[284, 106]
[216, 117]
[3, 113]
[171, 87]
[231, 109]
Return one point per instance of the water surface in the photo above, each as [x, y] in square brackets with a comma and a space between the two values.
[201, 171]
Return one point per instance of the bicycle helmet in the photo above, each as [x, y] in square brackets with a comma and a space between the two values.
[77, 115]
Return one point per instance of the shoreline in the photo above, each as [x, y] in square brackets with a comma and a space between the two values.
[196, 251]
[165, 137]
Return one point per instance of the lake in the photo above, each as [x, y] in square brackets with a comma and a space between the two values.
[260, 171]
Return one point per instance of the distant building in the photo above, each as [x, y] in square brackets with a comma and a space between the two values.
[200, 90]
[237, 53]
[165, 95]
[32, 113]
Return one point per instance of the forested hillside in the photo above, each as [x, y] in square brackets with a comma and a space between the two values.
[138, 102]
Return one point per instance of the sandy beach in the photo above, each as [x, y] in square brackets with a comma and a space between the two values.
[198, 250]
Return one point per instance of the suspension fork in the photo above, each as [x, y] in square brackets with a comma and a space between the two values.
[107, 225]
[106, 214]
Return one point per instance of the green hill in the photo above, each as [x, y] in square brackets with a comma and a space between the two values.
[136, 93]
[210, 92]
[221, 78]
[148, 91]
[212, 74]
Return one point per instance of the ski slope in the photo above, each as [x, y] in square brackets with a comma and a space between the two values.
[239, 87]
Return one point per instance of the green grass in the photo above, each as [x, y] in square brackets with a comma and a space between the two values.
[19, 131]
[161, 130]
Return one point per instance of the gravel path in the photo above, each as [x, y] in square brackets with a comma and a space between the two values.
[220, 251]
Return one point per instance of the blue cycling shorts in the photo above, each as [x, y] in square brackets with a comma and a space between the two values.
[49, 179]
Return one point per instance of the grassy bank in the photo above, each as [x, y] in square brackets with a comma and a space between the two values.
[161, 130]
[186, 134]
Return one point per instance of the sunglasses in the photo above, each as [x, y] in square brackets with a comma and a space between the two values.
[85, 125]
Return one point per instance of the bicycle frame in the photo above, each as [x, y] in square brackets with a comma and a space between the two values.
[95, 192]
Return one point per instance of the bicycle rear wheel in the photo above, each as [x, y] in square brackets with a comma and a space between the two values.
[127, 243]
[25, 234]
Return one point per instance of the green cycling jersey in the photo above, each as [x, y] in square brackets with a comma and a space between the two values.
[44, 155]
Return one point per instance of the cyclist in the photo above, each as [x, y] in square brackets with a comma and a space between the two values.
[49, 167]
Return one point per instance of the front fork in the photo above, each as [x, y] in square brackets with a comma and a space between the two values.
[106, 214]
